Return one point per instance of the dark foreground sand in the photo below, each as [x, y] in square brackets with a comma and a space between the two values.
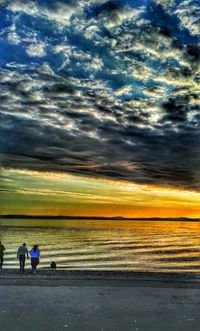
[98, 301]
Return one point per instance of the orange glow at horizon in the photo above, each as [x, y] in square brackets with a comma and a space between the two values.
[39, 193]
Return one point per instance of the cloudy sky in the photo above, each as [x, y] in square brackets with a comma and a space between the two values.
[100, 95]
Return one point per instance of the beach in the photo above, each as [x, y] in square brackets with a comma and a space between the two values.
[98, 301]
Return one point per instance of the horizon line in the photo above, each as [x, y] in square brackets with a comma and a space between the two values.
[94, 217]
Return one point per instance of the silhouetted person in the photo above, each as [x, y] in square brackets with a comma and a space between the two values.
[53, 265]
[2, 249]
[22, 253]
[35, 254]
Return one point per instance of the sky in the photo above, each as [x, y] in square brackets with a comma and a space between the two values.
[99, 107]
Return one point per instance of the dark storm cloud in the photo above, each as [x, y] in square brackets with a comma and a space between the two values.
[177, 108]
[105, 90]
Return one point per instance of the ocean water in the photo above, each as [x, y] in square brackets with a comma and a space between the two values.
[154, 246]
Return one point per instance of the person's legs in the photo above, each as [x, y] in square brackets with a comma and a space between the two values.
[1, 262]
[22, 262]
[37, 262]
[33, 264]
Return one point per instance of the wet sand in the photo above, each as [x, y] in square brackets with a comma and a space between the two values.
[100, 278]
[98, 301]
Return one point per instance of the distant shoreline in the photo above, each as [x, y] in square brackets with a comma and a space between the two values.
[118, 218]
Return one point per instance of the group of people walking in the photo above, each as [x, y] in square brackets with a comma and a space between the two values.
[22, 254]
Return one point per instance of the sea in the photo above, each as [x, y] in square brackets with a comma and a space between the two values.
[121, 245]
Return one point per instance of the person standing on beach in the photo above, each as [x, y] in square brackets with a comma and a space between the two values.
[35, 254]
[2, 249]
[22, 253]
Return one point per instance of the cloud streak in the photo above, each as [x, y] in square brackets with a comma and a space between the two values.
[39, 192]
